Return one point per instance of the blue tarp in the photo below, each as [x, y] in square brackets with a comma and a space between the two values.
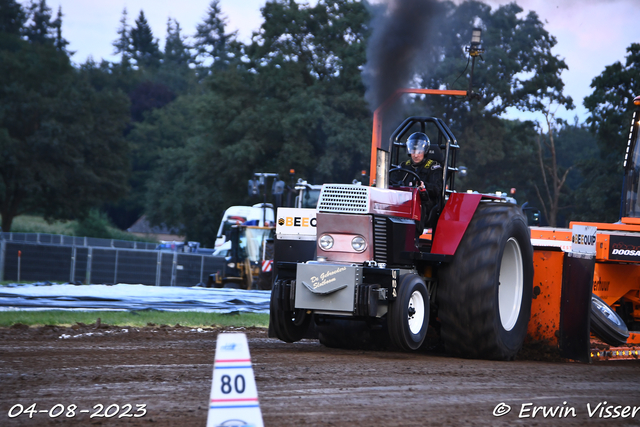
[45, 296]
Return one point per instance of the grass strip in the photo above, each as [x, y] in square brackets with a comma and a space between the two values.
[133, 318]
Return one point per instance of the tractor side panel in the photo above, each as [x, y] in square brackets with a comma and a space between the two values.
[560, 308]
[613, 281]
[544, 325]
[453, 222]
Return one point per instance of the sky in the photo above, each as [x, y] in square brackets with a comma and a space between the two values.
[591, 34]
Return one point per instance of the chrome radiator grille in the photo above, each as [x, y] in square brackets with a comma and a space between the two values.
[380, 243]
[344, 198]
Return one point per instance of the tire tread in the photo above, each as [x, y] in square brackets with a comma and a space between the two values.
[467, 295]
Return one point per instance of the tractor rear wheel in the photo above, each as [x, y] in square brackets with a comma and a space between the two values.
[485, 292]
[288, 325]
[408, 316]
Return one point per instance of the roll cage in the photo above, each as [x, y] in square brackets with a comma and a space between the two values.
[439, 134]
[384, 156]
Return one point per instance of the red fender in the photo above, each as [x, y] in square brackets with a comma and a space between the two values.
[453, 222]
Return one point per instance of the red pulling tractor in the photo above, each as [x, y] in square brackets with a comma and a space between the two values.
[353, 273]
[370, 279]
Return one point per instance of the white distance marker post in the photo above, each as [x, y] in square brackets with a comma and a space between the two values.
[234, 395]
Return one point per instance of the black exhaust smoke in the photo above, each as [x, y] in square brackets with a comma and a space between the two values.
[400, 33]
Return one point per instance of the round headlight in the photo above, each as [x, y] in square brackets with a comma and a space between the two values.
[326, 242]
[358, 244]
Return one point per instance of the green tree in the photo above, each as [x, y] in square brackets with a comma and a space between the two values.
[144, 47]
[212, 42]
[295, 101]
[39, 28]
[520, 70]
[610, 104]
[123, 45]
[574, 145]
[163, 129]
[149, 95]
[175, 71]
[307, 63]
[12, 17]
[60, 42]
[554, 177]
[176, 51]
[42, 28]
[61, 141]
[517, 172]
[150, 87]
[192, 202]
[94, 224]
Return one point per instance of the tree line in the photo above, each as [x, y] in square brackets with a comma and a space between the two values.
[176, 132]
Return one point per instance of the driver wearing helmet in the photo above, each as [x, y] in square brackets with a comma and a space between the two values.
[430, 172]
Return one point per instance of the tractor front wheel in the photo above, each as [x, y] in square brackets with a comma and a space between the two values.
[408, 316]
[485, 292]
[288, 325]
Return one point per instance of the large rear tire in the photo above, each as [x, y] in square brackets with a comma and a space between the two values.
[485, 292]
[408, 316]
[287, 325]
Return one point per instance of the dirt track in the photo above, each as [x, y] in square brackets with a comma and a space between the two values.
[169, 369]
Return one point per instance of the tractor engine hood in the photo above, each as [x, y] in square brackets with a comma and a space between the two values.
[358, 199]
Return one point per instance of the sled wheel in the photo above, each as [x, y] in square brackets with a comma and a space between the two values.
[485, 292]
[606, 324]
[408, 316]
[287, 325]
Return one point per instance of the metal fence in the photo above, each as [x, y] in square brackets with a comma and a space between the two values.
[59, 239]
[59, 262]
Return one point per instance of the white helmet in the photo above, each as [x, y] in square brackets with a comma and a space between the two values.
[418, 142]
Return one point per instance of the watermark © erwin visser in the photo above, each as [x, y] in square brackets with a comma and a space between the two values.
[602, 410]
